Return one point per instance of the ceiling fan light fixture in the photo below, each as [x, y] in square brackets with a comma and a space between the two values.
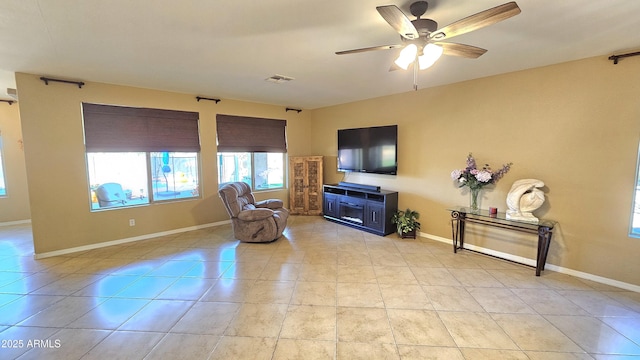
[407, 56]
[431, 54]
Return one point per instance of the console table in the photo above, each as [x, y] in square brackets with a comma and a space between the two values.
[462, 215]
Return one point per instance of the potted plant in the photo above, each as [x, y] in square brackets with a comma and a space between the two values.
[406, 223]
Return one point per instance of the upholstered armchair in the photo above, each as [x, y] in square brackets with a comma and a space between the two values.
[110, 194]
[252, 221]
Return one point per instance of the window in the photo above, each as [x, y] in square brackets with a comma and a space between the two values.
[634, 230]
[251, 150]
[174, 175]
[3, 187]
[140, 156]
[128, 170]
[261, 171]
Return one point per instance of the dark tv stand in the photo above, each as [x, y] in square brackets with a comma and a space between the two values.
[361, 207]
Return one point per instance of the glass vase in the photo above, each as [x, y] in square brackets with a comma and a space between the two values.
[474, 192]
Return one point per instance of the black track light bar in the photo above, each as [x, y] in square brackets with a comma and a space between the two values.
[10, 102]
[292, 109]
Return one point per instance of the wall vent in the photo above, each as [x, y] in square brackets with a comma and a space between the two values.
[13, 93]
[279, 79]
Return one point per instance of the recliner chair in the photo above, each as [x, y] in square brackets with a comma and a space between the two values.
[252, 221]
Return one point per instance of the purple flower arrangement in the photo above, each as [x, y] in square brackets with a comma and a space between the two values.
[476, 178]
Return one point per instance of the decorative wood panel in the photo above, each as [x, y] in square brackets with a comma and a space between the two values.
[305, 179]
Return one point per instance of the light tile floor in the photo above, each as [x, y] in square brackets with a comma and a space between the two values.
[324, 291]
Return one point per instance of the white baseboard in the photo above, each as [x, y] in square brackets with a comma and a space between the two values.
[18, 222]
[532, 262]
[126, 240]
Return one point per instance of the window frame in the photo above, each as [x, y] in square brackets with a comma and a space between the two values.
[150, 133]
[3, 175]
[252, 169]
[150, 193]
[250, 135]
[150, 180]
[635, 201]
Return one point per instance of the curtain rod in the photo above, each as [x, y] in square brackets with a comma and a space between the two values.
[615, 58]
[206, 98]
[47, 79]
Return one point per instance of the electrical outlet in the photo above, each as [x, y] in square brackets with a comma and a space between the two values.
[132, 222]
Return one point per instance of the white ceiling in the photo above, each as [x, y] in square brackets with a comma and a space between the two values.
[227, 49]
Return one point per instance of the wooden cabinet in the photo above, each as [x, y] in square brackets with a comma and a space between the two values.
[305, 185]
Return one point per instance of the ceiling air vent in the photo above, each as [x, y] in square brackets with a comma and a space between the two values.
[279, 79]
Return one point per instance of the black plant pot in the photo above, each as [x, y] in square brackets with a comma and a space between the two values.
[409, 235]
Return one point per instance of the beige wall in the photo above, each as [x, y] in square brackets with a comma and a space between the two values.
[55, 162]
[573, 125]
[15, 206]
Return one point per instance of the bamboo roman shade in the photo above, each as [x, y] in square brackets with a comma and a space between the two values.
[249, 134]
[109, 128]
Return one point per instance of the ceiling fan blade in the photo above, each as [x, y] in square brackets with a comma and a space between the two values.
[477, 21]
[462, 50]
[373, 48]
[398, 20]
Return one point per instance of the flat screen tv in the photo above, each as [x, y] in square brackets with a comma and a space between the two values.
[369, 150]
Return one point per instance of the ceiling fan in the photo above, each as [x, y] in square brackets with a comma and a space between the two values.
[421, 38]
